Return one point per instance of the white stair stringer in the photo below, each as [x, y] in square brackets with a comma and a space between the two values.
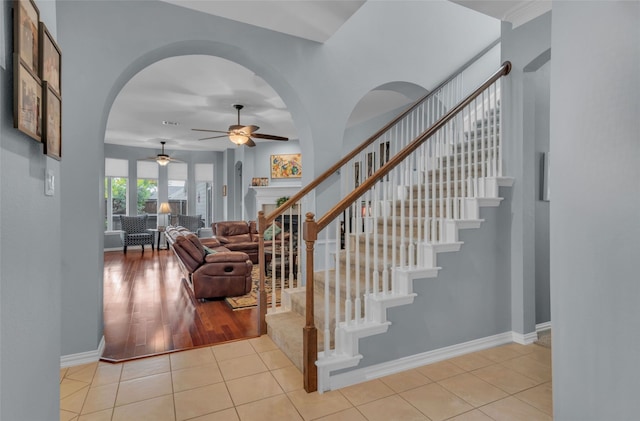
[348, 335]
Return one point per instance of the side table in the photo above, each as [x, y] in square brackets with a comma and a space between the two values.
[157, 232]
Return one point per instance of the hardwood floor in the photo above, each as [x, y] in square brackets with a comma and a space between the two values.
[149, 309]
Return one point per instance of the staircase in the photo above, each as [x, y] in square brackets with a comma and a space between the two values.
[409, 190]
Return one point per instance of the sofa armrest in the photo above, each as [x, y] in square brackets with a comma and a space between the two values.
[223, 240]
[226, 257]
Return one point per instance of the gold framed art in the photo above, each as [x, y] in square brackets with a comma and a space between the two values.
[50, 60]
[52, 122]
[286, 165]
[27, 100]
[25, 34]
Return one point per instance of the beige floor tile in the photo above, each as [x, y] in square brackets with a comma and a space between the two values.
[520, 349]
[156, 409]
[99, 398]
[351, 414]
[263, 343]
[276, 408]
[315, 405]
[83, 373]
[436, 402]
[471, 361]
[362, 393]
[252, 388]
[540, 396]
[473, 389]
[107, 374]
[224, 415]
[63, 372]
[406, 380]
[144, 388]
[440, 370]
[232, 350]
[68, 387]
[505, 378]
[74, 401]
[475, 415]
[194, 377]
[499, 353]
[191, 358]
[541, 355]
[67, 415]
[290, 378]
[145, 367]
[513, 409]
[529, 367]
[201, 401]
[104, 415]
[243, 366]
[275, 359]
[391, 408]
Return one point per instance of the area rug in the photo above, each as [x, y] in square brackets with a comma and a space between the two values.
[250, 300]
[544, 338]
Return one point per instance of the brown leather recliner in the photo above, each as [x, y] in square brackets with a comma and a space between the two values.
[238, 236]
[223, 273]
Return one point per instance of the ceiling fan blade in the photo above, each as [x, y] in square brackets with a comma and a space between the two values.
[250, 143]
[213, 137]
[235, 127]
[207, 130]
[268, 136]
[250, 129]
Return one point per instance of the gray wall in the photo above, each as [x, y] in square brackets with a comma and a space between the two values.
[319, 83]
[522, 46]
[30, 257]
[595, 234]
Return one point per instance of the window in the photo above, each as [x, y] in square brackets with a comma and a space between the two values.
[147, 191]
[177, 175]
[115, 192]
[204, 192]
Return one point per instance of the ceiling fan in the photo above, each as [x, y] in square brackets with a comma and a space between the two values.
[162, 158]
[241, 135]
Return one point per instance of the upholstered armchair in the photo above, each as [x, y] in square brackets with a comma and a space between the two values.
[192, 223]
[134, 231]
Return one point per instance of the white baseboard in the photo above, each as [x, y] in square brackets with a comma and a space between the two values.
[524, 338]
[406, 363]
[83, 357]
[541, 327]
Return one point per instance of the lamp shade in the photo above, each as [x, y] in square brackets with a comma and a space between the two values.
[164, 208]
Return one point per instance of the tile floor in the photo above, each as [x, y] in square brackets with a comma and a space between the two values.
[254, 380]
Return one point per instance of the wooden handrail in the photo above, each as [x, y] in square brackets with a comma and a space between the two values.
[318, 180]
[408, 150]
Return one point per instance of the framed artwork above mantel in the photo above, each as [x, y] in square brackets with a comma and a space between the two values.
[286, 165]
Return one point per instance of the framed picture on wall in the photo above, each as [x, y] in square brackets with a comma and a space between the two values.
[52, 122]
[286, 166]
[27, 100]
[25, 33]
[50, 59]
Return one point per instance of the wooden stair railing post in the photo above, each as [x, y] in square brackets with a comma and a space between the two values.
[310, 333]
[262, 293]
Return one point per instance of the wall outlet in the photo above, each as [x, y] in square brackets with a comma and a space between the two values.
[49, 183]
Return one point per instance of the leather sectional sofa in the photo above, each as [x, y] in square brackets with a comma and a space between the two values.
[241, 236]
[213, 270]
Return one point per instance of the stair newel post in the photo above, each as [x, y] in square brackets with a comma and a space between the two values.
[262, 293]
[310, 332]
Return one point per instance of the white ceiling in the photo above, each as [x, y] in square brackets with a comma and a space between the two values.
[204, 94]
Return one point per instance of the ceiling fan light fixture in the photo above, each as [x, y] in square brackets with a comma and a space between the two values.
[163, 160]
[238, 138]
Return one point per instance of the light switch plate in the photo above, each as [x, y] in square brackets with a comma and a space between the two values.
[49, 183]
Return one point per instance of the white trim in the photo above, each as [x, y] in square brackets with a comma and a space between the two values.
[524, 338]
[523, 12]
[83, 357]
[406, 363]
[541, 327]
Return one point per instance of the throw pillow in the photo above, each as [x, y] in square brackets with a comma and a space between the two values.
[208, 250]
[271, 232]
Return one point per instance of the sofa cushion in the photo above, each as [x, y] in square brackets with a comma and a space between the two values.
[271, 232]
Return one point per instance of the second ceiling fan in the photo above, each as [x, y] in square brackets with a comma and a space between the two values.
[241, 135]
